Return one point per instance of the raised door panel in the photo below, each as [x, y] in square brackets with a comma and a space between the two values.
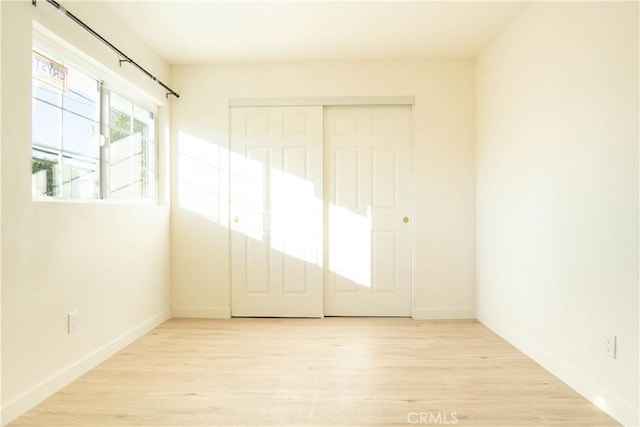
[368, 188]
[276, 211]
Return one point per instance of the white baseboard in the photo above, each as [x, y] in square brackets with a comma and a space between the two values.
[564, 370]
[418, 314]
[31, 398]
[201, 313]
[443, 313]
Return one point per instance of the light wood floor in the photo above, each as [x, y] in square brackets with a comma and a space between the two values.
[322, 372]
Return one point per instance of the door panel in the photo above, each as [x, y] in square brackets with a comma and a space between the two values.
[347, 173]
[384, 175]
[385, 262]
[279, 235]
[368, 191]
[276, 210]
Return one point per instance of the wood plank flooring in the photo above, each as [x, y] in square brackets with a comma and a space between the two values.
[317, 372]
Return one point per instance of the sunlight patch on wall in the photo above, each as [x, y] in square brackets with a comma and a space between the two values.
[203, 178]
[243, 193]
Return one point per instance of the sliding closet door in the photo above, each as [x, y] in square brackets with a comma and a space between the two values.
[368, 191]
[276, 211]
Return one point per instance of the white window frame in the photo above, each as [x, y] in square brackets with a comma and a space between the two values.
[49, 43]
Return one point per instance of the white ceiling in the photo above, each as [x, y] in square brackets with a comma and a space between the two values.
[196, 32]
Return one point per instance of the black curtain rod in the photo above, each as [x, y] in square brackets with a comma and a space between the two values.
[123, 56]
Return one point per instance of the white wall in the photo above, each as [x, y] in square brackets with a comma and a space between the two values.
[110, 262]
[1, 126]
[444, 155]
[557, 194]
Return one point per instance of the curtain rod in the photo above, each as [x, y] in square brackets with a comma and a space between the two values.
[123, 56]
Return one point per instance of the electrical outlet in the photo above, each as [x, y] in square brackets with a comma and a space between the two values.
[72, 322]
[610, 346]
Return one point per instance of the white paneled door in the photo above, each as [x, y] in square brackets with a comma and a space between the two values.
[289, 213]
[276, 211]
[369, 192]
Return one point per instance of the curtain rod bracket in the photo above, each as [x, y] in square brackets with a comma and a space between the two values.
[120, 54]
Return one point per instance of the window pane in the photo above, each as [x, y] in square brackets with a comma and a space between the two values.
[45, 124]
[149, 185]
[44, 173]
[141, 128]
[79, 135]
[126, 177]
[144, 123]
[116, 135]
[132, 150]
[80, 104]
[65, 127]
[131, 191]
[150, 156]
[125, 148]
[46, 93]
[120, 111]
[79, 178]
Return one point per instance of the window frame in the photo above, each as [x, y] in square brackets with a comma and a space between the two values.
[51, 45]
[67, 155]
[107, 126]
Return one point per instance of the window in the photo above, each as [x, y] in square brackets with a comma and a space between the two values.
[132, 149]
[88, 141]
[65, 147]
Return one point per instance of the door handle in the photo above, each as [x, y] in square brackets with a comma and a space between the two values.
[405, 219]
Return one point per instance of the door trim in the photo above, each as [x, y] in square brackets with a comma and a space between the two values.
[335, 101]
[412, 194]
[322, 101]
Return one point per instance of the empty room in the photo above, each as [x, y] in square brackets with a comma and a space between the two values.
[322, 213]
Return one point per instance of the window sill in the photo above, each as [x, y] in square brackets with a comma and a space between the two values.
[107, 202]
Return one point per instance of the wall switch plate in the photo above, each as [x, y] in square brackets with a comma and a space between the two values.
[72, 322]
[610, 346]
